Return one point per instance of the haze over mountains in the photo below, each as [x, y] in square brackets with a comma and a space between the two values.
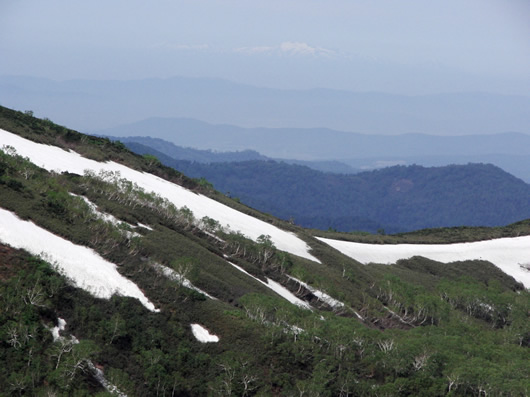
[289, 124]
[318, 143]
[329, 150]
[91, 105]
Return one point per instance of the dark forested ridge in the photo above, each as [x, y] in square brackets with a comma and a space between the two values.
[396, 199]
[415, 328]
[190, 154]
[140, 144]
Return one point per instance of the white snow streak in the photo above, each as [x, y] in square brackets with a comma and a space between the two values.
[107, 217]
[56, 159]
[508, 254]
[80, 264]
[100, 214]
[100, 377]
[278, 288]
[202, 334]
[144, 226]
[320, 295]
[173, 275]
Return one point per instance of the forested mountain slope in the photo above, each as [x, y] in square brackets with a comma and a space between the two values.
[119, 276]
[396, 199]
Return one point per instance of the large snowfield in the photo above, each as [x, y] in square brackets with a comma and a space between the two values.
[80, 264]
[53, 158]
[508, 254]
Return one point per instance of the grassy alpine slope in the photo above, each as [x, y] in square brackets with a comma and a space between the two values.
[418, 327]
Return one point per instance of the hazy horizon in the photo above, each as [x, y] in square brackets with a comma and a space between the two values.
[441, 68]
[404, 48]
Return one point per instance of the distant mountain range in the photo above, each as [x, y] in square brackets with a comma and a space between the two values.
[291, 121]
[138, 144]
[394, 199]
[318, 143]
[91, 105]
[336, 151]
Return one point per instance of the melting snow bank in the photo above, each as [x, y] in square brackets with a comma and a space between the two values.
[82, 265]
[53, 158]
[202, 334]
[508, 254]
[278, 288]
[173, 275]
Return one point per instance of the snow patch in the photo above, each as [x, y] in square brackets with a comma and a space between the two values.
[57, 329]
[278, 288]
[56, 333]
[80, 264]
[505, 253]
[202, 334]
[53, 158]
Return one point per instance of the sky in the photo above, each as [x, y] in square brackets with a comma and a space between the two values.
[408, 47]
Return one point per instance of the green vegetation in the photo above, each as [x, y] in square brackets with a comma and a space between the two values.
[413, 328]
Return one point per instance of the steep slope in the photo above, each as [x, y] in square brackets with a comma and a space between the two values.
[234, 316]
[56, 159]
[100, 278]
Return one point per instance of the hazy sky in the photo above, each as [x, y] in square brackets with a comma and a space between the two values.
[409, 46]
